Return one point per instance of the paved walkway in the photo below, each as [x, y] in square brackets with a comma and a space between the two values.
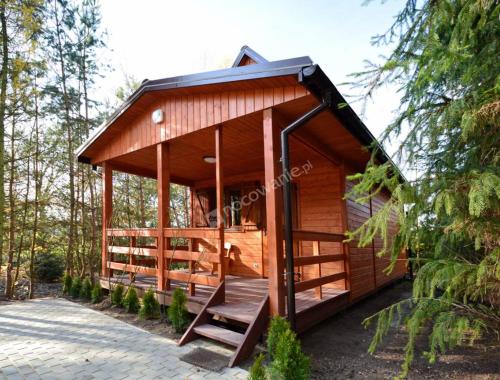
[58, 339]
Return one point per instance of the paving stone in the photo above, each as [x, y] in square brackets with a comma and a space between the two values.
[51, 339]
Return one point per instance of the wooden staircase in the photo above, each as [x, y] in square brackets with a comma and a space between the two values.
[255, 319]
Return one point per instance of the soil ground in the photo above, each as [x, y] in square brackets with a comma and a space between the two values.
[338, 348]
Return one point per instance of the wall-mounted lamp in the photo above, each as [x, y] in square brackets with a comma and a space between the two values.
[157, 116]
[209, 159]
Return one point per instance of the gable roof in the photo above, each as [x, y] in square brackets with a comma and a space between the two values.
[246, 53]
[308, 74]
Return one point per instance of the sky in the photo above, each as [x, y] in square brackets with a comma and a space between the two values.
[157, 39]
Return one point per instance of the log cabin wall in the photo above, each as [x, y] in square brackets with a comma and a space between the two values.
[367, 270]
[319, 201]
[246, 255]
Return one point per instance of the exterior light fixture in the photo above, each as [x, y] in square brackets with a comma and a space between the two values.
[209, 159]
[157, 116]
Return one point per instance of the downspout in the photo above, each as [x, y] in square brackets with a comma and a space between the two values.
[287, 202]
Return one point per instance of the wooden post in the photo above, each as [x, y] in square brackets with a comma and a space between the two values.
[274, 211]
[107, 212]
[345, 227]
[319, 291]
[163, 190]
[219, 184]
[133, 245]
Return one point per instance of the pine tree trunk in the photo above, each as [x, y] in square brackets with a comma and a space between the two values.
[9, 285]
[38, 187]
[3, 98]
[69, 134]
[141, 203]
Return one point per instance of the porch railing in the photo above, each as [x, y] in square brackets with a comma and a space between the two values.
[318, 258]
[202, 245]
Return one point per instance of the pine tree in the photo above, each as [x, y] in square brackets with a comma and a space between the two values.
[445, 61]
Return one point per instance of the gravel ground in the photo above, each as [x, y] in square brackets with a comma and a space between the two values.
[338, 348]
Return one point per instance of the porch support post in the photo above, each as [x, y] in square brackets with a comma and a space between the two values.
[219, 184]
[163, 190]
[107, 211]
[274, 210]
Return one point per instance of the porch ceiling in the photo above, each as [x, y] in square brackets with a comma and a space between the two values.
[243, 146]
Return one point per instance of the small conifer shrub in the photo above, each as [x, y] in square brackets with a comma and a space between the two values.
[150, 308]
[117, 295]
[67, 281]
[96, 296]
[131, 301]
[289, 361]
[258, 370]
[177, 311]
[276, 329]
[76, 286]
[86, 290]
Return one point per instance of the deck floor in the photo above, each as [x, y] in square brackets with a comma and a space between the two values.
[239, 291]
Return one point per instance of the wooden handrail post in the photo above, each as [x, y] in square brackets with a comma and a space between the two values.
[316, 250]
[107, 212]
[163, 189]
[274, 211]
[219, 181]
[132, 261]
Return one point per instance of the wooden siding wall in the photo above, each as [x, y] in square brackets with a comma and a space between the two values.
[366, 268]
[319, 198]
[186, 114]
[246, 251]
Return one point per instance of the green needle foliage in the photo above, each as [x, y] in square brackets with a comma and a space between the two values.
[150, 308]
[67, 281]
[117, 295]
[258, 370]
[131, 301]
[445, 62]
[76, 286]
[96, 296]
[86, 290]
[177, 311]
[277, 328]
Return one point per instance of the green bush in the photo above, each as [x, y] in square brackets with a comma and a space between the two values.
[117, 295]
[96, 296]
[258, 370]
[48, 267]
[67, 282]
[277, 328]
[131, 301]
[150, 308]
[177, 311]
[86, 290]
[76, 286]
[289, 362]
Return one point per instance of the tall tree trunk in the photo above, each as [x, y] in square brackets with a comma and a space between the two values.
[127, 200]
[9, 285]
[23, 228]
[3, 102]
[71, 166]
[38, 187]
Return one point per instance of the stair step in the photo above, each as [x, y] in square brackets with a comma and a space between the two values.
[242, 312]
[219, 334]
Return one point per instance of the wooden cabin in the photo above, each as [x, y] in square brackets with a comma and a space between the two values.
[220, 133]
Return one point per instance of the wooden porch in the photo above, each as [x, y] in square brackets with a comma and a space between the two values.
[243, 295]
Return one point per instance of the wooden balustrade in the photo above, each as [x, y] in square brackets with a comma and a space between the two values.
[317, 259]
[172, 253]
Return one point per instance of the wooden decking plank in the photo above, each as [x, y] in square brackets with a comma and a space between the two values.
[219, 334]
[238, 311]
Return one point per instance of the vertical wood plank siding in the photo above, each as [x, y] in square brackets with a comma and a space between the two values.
[186, 114]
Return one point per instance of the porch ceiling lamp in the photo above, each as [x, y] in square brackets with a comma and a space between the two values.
[209, 159]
